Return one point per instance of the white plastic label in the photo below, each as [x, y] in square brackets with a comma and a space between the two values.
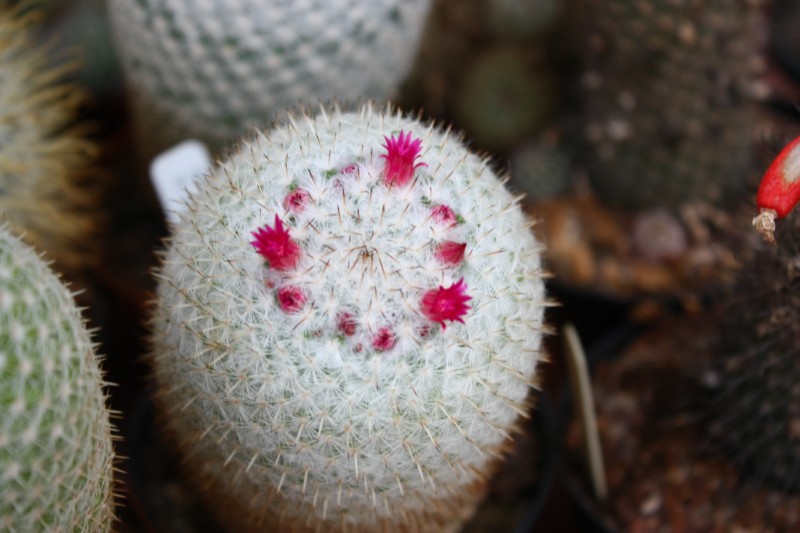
[174, 172]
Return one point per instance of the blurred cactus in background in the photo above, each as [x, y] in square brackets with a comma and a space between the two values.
[522, 19]
[46, 190]
[55, 434]
[757, 404]
[504, 96]
[207, 70]
[543, 168]
[669, 91]
[784, 37]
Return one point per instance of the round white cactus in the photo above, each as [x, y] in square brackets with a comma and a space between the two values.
[55, 435]
[348, 325]
[208, 69]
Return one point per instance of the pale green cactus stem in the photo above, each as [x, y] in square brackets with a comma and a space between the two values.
[55, 435]
[44, 183]
[347, 328]
[208, 70]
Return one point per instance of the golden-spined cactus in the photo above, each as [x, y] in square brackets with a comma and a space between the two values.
[44, 154]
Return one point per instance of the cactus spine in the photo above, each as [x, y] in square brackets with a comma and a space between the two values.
[55, 435]
[209, 69]
[362, 363]
[43, 157]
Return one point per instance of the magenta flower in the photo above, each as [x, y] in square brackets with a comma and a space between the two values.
[291, 299]
[296, 200]
[383, 340]
[442, 214]
[450, 253]
[446, 303]
[401, 154]
[276, 246]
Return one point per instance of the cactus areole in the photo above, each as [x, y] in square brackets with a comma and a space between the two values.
[348, 326]
[779, 191]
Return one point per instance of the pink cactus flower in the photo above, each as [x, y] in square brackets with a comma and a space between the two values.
[401, 154]
[291, 299]
[446, 303]
[296, 200]
[276, 246]
[450, 253]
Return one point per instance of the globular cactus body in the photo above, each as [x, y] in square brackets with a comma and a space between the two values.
[55, 435]
[209, 69]
[670, 91]
[756, 414]
[361, 365]
[43, 158]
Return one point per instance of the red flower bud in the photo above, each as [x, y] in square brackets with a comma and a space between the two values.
[296, 200]
[384, 340]
[291, 299]
[450, 253]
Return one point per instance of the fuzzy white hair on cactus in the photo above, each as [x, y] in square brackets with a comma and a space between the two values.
[347, 327]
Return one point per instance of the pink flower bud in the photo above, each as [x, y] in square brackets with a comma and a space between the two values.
[384, 340]
[442, 214]
[296, 200]
[291, 299]
[346, 324]
[450, 253]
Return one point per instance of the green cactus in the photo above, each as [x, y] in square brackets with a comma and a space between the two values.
[669, 89]
[757, 405]
[55, 435]
[207, 70]
[361, 364]
[45, 188]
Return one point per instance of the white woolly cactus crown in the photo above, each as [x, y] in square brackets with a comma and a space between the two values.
[348, 324]
[55, 435]
[208, 69]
